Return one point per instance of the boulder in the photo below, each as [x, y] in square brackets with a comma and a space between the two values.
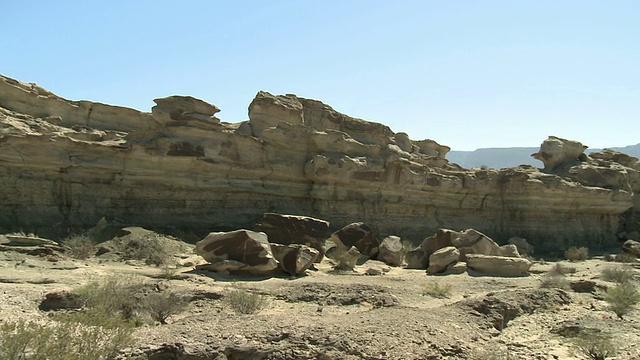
[347, 260]
[631, 247]
[359, 235]
[556, 152]
[292, 229]
[439, 260]
[294, 259]
[416, 259]
[246, 246]
[524, 248]
[391, 251]
[498, 265]
[458, 267]
[442, 238]
[509, 250]
[183, 108]
[223, 266]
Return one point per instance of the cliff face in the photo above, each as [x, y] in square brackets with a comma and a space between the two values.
[65, 164]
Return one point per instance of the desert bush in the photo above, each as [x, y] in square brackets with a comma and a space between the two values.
[555, 281]
[622, 298]
[161, 305]
[560, 269]
[115, 294]
[617, 274]
[79, 246]
[436, 290]
[625, 258]
[148, 248]
[80, 336]
[244, 302]
[595, 346]
[577, 254]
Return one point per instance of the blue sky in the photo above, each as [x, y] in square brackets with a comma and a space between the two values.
[468, 74]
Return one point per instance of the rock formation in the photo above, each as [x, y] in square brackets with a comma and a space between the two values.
[66, 164]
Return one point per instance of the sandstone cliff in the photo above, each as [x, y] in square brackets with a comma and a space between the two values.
[66, 164]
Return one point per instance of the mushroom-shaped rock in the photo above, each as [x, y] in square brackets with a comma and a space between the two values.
[246, 246]
[631, 247]
[292, 229]
[294, 259]
[439, 260]
[359, 235]
[183, 108]
[556, 152]
[498, 265]
[391, 251]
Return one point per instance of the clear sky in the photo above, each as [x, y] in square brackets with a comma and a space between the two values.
[468, 74]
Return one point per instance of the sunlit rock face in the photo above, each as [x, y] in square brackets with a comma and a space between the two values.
[66, 164]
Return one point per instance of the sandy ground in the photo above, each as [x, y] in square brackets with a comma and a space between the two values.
[327, 315]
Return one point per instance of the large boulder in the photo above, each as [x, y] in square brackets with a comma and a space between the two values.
[359, 235]
[498, 265]
[416, 259]
[439, 260]
[183, 108]
[292, 229]
[524, 248]
[631, 247]
[509, 250]
[294, 259]
[391, 251]
[556, 152]
[248, 247]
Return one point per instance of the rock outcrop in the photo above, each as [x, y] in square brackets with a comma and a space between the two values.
[66, 164]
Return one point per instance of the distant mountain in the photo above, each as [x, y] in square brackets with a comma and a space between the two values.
[498, 158]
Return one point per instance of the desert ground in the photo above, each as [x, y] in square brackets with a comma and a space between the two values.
[376, 311]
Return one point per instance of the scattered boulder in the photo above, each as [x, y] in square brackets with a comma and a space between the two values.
[582, 285]
[28, 240]
[439, 260]
[292, 229]
[347, 260]
[631, 247]
[416, 259]
[294, 259]
[223, 266]
[246, 246]
[484, 246]
[509, 250]
[359, 235]
[458, 267]
[391, 251]
[524, 248]
[498, 265]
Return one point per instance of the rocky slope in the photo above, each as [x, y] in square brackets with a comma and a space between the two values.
[66, 164]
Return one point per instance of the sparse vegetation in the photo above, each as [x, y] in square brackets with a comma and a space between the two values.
[622, 298]
[560, 269]
[116, 294]
[79, 246]
[161, 305]
[147, 248]
[625, 258]
[245, 302]
[577, 253]
[492, 353]
[436, 290]
[617, 274]
[79, 336]
[555, 281]
[595, 346]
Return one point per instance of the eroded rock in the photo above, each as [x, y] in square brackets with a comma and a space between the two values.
[498, 265]
[248, 247]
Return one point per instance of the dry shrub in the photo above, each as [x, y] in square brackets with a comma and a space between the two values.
[555, 281]
[577, 253]
[625, 258]
[79, 246]
[560, 269]
[117, 294]
[244, 302]
[436, 290]
[150, 248]
[595, 346]
[622, 298]
[617, 274]
[161, 305]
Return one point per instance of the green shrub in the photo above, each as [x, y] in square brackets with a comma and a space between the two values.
[436, 290]
[595, 346]
[577, 254]
[622, 298]
[80, 336]
[244, 302]
[115, 294]
[79, 246]
[617, 274]
[161, 305]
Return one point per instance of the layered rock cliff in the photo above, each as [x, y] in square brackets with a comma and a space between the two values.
[66, 164]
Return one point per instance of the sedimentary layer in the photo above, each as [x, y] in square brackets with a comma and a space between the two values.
[66, 164]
